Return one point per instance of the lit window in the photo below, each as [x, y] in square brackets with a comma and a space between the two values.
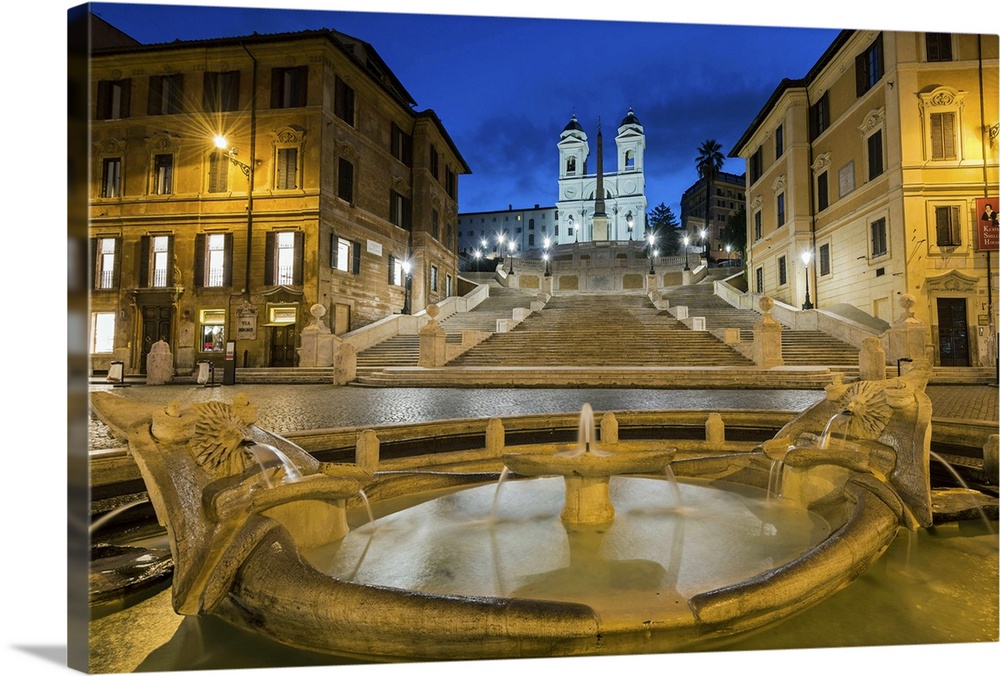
[163, 174]
[113, 99]
[159, 260]
[111, 177]
[102, 332]
[215, 260]
[285, 258]
[213, 330]
[106, 263]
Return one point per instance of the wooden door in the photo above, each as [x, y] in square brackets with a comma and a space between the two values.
[283, 345]
[953, 332]
[157, 324]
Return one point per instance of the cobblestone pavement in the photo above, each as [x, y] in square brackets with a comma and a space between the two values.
[289, 408]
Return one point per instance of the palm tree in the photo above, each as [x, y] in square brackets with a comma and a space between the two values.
[709, 163]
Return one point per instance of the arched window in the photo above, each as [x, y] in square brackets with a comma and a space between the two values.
[571, 165]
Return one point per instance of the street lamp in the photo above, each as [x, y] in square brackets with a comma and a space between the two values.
[477, 255]
[703, 236]
[629, 223]
[806, 257]
[407, 285]
[545, 257]
[500, 246]
[510, 250]
[652, 240]
[687, 240]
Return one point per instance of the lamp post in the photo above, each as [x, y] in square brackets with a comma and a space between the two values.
[687, 240]
[652, 240]
[703, 236]
[407, 285]
[477, 255]
[545, 256]
[510, 257]
[500, 246]
[806, 257]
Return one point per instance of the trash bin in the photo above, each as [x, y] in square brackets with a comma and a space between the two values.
[205, 369]
[116, 373]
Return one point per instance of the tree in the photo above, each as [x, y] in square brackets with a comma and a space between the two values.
[663, 224]
[709, 163]
[734, 232]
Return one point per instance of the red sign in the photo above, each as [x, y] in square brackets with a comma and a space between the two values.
[987, 228]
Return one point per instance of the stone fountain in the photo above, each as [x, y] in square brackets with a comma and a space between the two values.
[605, 561]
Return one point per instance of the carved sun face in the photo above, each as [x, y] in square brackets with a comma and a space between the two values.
[217, 442]
[869, 410]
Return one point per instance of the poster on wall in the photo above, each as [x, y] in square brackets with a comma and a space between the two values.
[987, 229]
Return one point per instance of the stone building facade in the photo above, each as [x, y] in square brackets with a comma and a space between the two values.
[351, 186]
[878, 164]
[729, 196]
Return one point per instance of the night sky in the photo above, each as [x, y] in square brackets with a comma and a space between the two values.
[505, 87]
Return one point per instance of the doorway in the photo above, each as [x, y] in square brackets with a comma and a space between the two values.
[157, 324]
[341, 319]
[282, 345]
[953, 332]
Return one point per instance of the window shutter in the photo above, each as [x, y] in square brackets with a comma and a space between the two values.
[276, 81]
[144, 262]
[170, 261]
[392, 268]
[937, 136]
[269, 258]
[357, 258]
[300, 238]
[199, 260]
[93, 262]
[860, 74]
[301, 82]
[117, 273]
[154, 105]
[948, 135]
[227, 271]
[333, 251]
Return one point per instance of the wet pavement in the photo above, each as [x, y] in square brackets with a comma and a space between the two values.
[290, 408]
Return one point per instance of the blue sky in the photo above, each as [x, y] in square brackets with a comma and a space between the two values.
[505, 87]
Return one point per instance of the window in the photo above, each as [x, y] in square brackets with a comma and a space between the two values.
[400, 212]
[434, 224]
[782, 271]
[758, 226]
[447, 287]
[434, 278]
[822, 191]
[345, 180]
[943, 136]
[213, 255]
[869, 66]
[948, 226]
[879, 247]
[938, 46]
[343, 101]
[213, 330]
[759, 274]
[875, 163]
[345, 255]
[571, 165]
[165, 94]
[779, 141]
[113, 99]
[756, 164]
[396, 272]
[157, 266]
[163, 174]
[401, 145]
[288, 87]
[111, 177]
[781, 209]
[824, 260]
[218, 172]
[286, 172]
[819, 116]
[106, 257]
[221, 91]
[283, 258]
[102, 332]
[450, 183]
[434, 163]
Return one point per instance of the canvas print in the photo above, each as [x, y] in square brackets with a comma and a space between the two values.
[435, 338]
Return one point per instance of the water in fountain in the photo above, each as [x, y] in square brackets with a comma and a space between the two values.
[274, 465]
[496, 495]
[837, 422]
[958, 477]
[586, 436]
[114, 513]
[368, 505]
[775, 479]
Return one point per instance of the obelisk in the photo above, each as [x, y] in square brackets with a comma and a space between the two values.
[600, 217]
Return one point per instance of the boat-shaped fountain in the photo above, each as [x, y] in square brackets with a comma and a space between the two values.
[585, 548]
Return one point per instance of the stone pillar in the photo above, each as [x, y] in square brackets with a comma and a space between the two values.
[767, 337]
[652, 283]
[871, 359]
[159, 364]
[908, 337]
[366, 451]
[548, 284]
[609, 428]
[715, 430]
[494, 437]
[317, 341]
[432, 340]
[681, 311]
[345, 362]
[687, 277]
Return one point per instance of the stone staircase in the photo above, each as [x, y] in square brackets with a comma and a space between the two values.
[404, 350]
[600, 330]
[799, 348]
